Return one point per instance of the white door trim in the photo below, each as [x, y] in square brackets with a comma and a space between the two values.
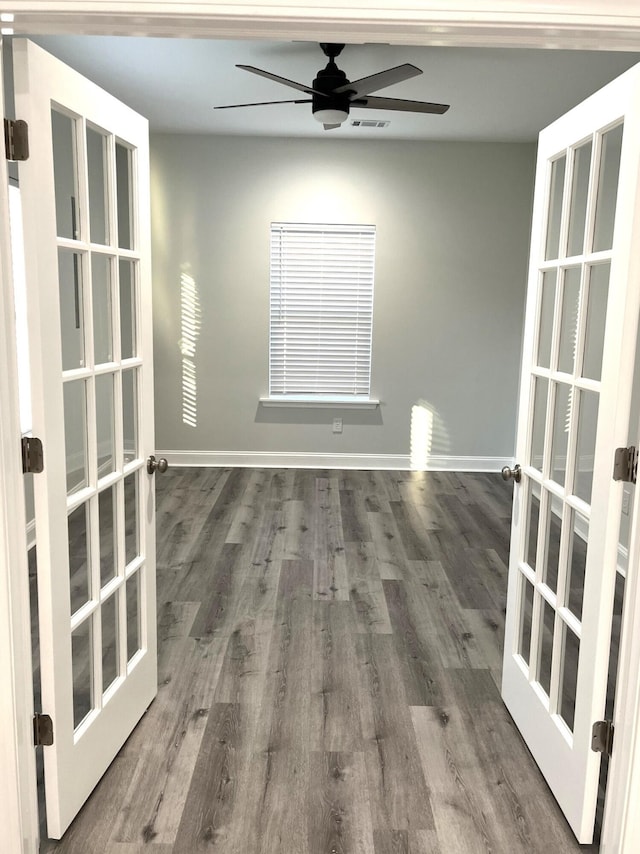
[18, 797]
[580, 24]
[621, 817]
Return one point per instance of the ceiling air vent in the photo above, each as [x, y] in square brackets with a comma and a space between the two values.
[368, 123]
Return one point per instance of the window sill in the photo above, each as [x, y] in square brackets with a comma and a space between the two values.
[313, 402]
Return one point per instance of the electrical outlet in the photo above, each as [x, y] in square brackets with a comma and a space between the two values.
[626, 498]
[337, 425]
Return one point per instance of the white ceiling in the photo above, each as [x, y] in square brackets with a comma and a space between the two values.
[495, 94]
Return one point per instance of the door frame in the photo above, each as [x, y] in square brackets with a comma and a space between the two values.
[580, 24]
[18, 789]
[492, 23]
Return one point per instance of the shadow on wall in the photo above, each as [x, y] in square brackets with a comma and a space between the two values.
[429, 436]
[304, 415]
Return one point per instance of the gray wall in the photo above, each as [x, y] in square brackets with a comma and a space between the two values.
[451, 255]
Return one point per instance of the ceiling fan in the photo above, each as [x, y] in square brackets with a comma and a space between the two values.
[333, 95]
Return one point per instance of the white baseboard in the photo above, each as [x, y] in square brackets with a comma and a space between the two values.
[471, 464]
[273, 459]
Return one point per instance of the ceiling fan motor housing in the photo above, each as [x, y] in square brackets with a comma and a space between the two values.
[326, 81]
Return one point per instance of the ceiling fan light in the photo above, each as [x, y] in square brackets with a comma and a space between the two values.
[331, 117]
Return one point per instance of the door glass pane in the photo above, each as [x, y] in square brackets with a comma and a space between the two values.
[79, 575]
[570, 653]
[82, 669]
[607, 189]
[97, 181]
[554, 527]
[65, 174]
[124, 187]
[105, 423]
[134, 640]
[127, 309]
[579, 191]
[547, 304]
[524, 640]
[129, 414]
[596, 317]
[108, 534]
[561, 425]
[545, 645]
[555, 207]
[577, 564]
[587, 423]
[132, 548]
[70, 285]
[75, 434]
[109, 640]
[102, 321]
[532, 526]
[538, 420]
[569, 320]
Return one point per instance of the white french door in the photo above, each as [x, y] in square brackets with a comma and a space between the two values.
[85, 202]
[577, 374]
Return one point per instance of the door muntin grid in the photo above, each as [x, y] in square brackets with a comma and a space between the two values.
[564, 407]
[102, 417]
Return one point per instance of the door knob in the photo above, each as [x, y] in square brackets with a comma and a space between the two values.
[515, 473]
[152, 465]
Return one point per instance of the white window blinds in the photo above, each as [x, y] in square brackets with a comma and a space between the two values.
[321, 310]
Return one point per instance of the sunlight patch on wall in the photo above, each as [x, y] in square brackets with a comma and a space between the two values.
[421, 437]
[190, 328]
[429, 436]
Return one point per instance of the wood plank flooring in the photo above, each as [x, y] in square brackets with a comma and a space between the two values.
[329, 662]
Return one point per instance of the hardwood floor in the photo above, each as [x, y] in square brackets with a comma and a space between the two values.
[329, 659]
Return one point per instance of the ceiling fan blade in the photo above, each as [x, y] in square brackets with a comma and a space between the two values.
[400, 104]
[379, 80]
[261, 104]
[299, 86]
[331, 127]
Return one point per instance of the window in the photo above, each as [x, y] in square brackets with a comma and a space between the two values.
[321, 311]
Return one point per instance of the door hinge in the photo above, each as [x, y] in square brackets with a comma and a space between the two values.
[42, 730]
[16, 139]
[625, 464]
[602, 737]
[32, 455]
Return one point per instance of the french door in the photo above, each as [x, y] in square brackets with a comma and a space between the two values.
[85, 202]
[577, 374]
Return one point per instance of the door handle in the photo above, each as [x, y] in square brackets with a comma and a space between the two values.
[515, 473]
[160, 465]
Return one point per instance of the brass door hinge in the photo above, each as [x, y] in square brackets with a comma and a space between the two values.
[625, 464]
[602, 737]
[42, 730]
[16, 139]
[32, 455]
